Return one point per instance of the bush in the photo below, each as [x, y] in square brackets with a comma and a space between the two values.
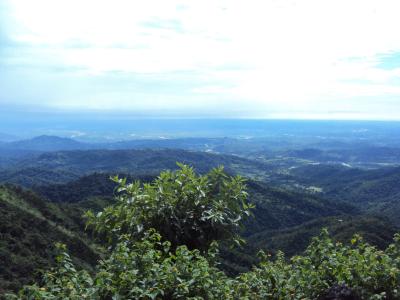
[369, 273]
[184, 208]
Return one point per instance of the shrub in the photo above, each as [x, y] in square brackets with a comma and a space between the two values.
[184, 208]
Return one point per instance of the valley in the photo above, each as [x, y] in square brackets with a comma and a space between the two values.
[49, 182]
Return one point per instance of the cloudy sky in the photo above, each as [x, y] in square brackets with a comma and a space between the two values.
[205, 58]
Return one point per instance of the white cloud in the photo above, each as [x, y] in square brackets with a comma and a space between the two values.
[258, 55]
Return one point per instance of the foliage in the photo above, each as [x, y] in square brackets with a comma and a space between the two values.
[371, 273]
[148, 269]
[186, 209]
[144, 270]
[62, 282]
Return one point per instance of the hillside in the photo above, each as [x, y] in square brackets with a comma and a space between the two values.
[278, 208]
[278, 212]
[29, 228]
[275, 208]
[84, 188]
[5, 137]
[64, 166]
[376, 191]
[376, 231]
[350, 154]
[34, 176]
[45, 143]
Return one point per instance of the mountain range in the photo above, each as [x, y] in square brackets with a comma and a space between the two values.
[49, 182]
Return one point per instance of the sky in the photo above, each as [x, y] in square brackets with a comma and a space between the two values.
[308, 59]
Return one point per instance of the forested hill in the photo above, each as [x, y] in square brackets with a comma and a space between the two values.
[45, 143]
[374, 191]
[276, 208]
[64, 166]
[278, 218]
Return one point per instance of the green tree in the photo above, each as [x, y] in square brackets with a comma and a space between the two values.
[185, 208]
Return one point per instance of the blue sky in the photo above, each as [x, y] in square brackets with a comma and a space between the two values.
[309, 59]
